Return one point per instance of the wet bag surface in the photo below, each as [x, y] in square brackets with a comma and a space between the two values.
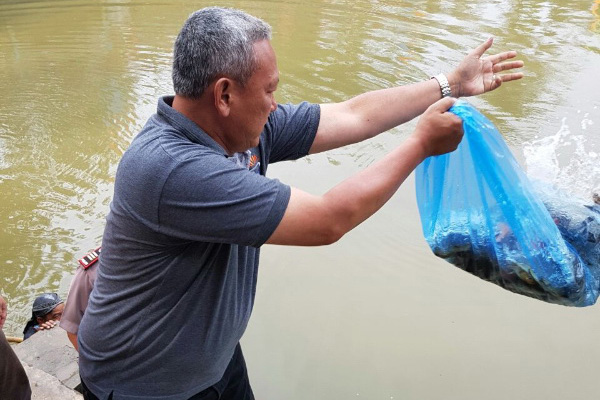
[480, 212]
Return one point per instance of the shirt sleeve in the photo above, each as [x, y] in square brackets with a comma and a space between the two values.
[291, 130]
[77, 299]
[209, 198]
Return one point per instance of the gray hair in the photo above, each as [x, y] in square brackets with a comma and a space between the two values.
[215, 41]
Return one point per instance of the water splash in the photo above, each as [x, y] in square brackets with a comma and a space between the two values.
[568, 161]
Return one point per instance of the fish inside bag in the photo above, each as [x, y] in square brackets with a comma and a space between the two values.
[480, 212]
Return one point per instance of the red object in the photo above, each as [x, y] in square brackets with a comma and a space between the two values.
[90, 258]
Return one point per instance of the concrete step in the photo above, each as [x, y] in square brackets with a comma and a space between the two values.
[51, 363]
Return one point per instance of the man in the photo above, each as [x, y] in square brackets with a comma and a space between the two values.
[45, 314]
[14, 383]
[192, 206]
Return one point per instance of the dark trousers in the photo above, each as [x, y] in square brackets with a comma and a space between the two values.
[88, 395]
[234, 385]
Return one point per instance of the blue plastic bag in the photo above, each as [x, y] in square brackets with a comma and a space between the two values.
[480, 212]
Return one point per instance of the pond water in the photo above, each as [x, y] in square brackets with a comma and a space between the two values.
[375, 316]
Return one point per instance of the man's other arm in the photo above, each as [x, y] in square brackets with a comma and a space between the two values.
[317, 220]
[372, 113]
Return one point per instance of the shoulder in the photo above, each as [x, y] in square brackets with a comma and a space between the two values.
[150, 164]
[291, 130]
[290, 112]
[29, 331]
[86, 271]
[90, 258]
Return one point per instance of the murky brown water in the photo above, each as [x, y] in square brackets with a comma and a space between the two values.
[374, 316]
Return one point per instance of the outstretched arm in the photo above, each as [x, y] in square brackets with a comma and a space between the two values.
[371, 113]
[316, 220]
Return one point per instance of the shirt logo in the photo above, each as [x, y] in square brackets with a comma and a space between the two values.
[253, 160]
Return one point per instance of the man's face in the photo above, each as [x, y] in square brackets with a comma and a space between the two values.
[55, 314]
[255, 101]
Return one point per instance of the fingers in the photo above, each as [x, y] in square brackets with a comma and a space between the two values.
[496, 82]
[511, 77]
[443, 104]
[506, 65]
[48, 325]
[482, 48]
[496, 58]
[498, 79]
[499, 66]
[438, 130]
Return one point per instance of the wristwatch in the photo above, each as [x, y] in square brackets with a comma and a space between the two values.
[444, 85]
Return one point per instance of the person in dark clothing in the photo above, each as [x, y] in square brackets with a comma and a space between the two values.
[46, 312]
[14, 383]
[192, 204]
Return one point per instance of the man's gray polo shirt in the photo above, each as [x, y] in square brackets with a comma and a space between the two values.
[178, 268]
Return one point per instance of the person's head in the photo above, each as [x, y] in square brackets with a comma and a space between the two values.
[223, 59]
[46, 307]
[216, 42]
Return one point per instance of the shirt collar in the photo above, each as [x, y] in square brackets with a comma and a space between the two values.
[187, 127]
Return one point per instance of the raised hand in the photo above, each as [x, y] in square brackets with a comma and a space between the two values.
[477, 74]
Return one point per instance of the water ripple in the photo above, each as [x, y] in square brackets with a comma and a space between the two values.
[81, 78]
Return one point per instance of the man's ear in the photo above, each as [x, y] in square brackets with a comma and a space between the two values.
[40, 320]
[223, 91]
